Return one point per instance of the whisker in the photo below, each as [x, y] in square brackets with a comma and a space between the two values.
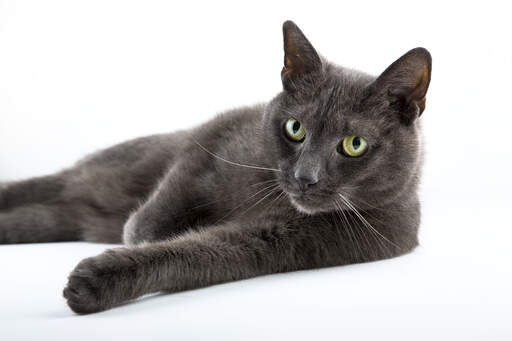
[263, 182]
[351, 208]
[351, 187]
[275, 200]
[270, 187]
[359, 208]
[272, 191]
[223, 199]
[231, 162]
[350, 234]
[353, 229]
[364, 221]
[364, 202]
[358, 228]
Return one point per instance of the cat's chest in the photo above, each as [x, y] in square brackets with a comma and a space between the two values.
[250, 195]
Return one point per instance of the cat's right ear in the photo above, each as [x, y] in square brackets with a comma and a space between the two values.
[301, 61]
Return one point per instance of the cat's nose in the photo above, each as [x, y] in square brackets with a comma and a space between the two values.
[305, 180]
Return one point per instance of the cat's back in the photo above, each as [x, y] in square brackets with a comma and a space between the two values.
[161, 150]
[235, 133]
[136, 166]
[239, 121]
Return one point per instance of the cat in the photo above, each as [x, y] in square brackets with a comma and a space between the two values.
[324, 174]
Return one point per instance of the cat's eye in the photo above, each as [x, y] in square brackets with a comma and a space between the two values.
[353, 146]
[294, 130]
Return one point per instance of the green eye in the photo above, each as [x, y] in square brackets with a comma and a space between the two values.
[294, 130]
[354, 146]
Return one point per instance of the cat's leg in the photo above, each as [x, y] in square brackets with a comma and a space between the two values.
[26, 215]
[49, 209]
[90, 200]
[38, 223]
[175, 205]
[218, 254]
[31, 191]
[195, 259]
[59, 221]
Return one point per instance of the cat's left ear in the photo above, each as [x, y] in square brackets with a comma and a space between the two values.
[405, 83]
[301, 61]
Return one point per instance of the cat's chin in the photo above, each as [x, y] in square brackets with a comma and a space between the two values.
[302, 207]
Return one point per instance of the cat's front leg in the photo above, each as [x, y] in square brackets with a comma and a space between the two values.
[101, 282]
[176, 204]
[217, 254]
[197, 259]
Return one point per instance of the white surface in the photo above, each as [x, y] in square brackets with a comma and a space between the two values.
[77, 76]
[460, 291]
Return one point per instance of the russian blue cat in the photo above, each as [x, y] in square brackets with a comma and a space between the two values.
[324, 174]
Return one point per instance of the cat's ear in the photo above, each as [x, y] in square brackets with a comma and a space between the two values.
[300, 58]
[405, 83]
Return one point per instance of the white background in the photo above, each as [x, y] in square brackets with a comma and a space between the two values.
[80, 75]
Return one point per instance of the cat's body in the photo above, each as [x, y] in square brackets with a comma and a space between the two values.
[236, 198]
[106, 187]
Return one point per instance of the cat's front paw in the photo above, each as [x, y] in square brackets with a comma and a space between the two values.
[97, 283]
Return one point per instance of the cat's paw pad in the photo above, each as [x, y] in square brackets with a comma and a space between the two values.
[91, 285]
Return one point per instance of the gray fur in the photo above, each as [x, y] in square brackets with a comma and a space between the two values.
[228, 200]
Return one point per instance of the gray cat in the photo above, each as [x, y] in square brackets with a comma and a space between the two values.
[324, 174]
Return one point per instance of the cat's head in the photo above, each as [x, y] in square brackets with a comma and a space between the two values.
[340, 135]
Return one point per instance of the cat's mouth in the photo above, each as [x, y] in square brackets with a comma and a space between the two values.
[305, 202]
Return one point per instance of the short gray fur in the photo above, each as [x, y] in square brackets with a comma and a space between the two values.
[234, 198]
